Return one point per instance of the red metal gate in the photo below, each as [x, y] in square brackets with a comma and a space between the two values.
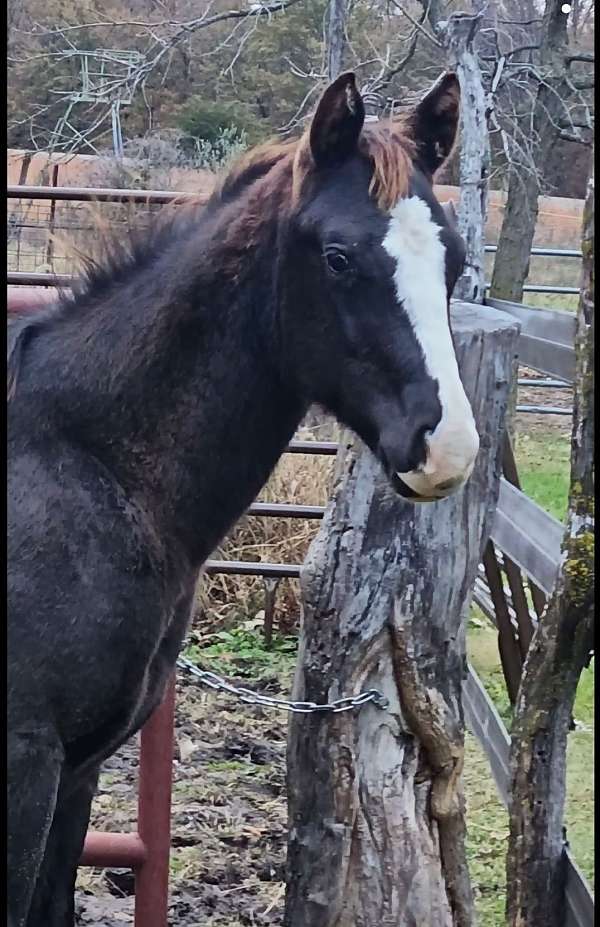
[147, 850]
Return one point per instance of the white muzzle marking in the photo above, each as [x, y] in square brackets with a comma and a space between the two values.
[413, 241]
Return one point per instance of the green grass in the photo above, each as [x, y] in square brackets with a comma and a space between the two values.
[565, 301]
[482, 650]
[241, 652]
[487, 833]
[543, 462]
[579, 811]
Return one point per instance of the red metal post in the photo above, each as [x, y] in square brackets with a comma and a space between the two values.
[146, 852]
[22, 299]
[105, 849]
[154, 814]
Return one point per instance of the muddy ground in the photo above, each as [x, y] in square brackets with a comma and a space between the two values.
[228, 821]
[535, 396]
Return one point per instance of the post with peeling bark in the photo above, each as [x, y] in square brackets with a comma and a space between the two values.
[459, 35]
[376, 813]
[336, 36]
[560, 648]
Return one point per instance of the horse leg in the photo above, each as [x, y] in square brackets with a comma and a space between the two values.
[53, 903]
[35, 758]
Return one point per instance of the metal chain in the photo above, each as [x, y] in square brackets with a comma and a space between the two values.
[255, 698]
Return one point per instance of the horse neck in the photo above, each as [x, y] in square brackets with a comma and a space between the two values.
[180, 393]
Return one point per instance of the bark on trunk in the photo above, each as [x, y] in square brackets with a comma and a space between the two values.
[559, 650]
[511, 266]
[376, 826]
[336, 37]
[459, 35]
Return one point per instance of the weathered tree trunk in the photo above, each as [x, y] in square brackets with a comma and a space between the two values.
[511, 266]
[459, 35]
[336, 36]
[376, 828]
[558, 652]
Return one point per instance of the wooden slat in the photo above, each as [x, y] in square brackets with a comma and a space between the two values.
[487, 726]
[519, 603]
[546, 340]
[549, 324]
[482, 598]
[508, 646]
[550, 357]
[528, 535]
[580, 901]
[511, 475]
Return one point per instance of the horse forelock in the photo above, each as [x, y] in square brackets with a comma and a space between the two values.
[387, 144]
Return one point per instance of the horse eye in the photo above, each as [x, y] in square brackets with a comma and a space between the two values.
[337, 261]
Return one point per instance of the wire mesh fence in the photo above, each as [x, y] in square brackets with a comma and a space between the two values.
[47, 236]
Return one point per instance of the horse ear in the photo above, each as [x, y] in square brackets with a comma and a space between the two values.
[435, 122]
[450, 212]
[337, 122]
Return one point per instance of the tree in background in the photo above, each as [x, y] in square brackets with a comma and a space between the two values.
[546, 101]
[561, 647]
[264, 63]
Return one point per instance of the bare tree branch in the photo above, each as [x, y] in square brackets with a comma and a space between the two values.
[587, 57]
[416, 24]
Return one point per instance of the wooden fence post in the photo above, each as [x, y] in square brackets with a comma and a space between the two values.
[376, 829]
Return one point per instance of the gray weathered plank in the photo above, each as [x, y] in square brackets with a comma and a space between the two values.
[486, 724]
[549, 324]
[528, 535]
[546, 340]
[550, 357]
[580, 900]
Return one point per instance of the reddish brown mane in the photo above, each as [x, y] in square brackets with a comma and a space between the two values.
[388, 144]
[392, 150]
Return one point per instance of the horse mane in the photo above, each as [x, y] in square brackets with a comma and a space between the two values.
[388, 144]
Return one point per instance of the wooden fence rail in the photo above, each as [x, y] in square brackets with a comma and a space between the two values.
[546, 339]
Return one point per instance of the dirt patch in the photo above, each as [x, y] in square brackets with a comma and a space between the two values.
[530, 422]
[228, 820]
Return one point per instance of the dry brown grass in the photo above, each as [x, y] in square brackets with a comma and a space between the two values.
[298, 479]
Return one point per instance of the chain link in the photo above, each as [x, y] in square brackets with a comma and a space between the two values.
[267, 701]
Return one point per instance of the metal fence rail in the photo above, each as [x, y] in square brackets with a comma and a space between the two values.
[151, 198]
[545, 252]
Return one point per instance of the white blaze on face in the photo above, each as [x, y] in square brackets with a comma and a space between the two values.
[413, 241]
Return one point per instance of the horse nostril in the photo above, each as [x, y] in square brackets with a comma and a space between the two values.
[418, 449]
